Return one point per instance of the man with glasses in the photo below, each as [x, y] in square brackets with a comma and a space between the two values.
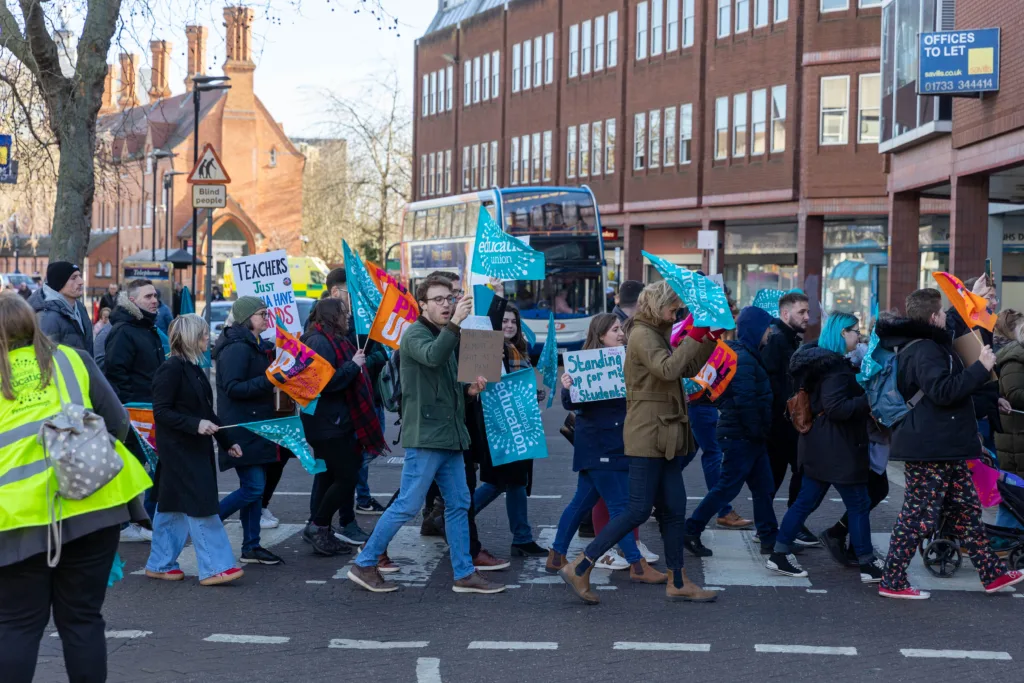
[434, 436]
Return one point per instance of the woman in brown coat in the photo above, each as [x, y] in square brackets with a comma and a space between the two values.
[657, 439]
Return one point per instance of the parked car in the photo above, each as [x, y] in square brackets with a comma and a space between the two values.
[12, 281]
[220, 310]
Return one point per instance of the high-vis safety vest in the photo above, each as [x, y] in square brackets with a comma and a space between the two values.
[25, 474]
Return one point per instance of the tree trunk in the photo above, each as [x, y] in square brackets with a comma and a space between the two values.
[76, 184]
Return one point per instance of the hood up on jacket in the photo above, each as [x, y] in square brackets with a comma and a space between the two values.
[811, 362]
[751, 326]
[894, 331]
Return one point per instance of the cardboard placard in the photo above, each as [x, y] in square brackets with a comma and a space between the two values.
[480, 354]
[968, 347]
[596, 374]
[268, 277]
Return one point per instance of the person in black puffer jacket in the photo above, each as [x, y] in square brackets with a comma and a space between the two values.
[744, 424]
[245, 394]
[133, 349]
[835, 450]
[941, 429]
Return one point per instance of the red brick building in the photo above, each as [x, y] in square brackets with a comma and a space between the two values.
[755, 118]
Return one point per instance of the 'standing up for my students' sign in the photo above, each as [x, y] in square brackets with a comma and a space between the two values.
[596, 374]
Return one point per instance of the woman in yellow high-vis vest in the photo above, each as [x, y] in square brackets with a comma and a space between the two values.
[74, 589]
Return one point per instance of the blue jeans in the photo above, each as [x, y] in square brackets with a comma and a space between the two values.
[423, 465]
[363, 480]
[651, 481]
[704, 424]
[247, 501]
[812, 492]
[515, 508]
[592, 485]
[742, 461]
[172, 529]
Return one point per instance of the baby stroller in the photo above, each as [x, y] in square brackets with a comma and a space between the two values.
[941, 553]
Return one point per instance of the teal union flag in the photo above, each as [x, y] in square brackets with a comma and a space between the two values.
[702, 295]
[547, 364]
[364, 294]
[288, 432]
[512, 418]
[498, 254]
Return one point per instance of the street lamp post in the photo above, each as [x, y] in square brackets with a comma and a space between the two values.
[200, 84]
[169, 209]
[157, 155]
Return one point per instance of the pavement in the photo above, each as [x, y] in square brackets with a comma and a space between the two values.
[304, 621]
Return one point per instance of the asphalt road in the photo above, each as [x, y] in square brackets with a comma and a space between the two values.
[305, 622]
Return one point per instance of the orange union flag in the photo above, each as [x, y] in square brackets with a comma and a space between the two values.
[397, 311]
[971, 307]
[381, 277]
[297, 370]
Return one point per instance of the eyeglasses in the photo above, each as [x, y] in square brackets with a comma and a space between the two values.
[263, 314]
[442, 300]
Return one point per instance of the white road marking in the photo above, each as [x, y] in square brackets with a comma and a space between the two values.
[348, 644]
[428, 670]
[606, 588]
[714, 588]
[738, 562]
[316, 582]
[254, 640]
[817, 591]
[957, 654]
[536, 497]
[512, 645]
[663, 647]
[418, 557]
[117, 635]
[533, 571]
[805, 650]
[1018, 595]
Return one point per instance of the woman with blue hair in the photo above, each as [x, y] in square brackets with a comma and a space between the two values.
[834, 452]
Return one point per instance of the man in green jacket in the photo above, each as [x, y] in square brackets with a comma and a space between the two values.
[434, 436]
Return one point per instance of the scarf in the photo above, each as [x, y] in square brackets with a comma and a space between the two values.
[515, 360]
[360, 402]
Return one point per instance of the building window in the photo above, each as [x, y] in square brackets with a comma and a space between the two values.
[688, 19]
[586, 52]
[425, 97]
[672, 35]
[485, 78]
[584, 168]
[868, 107]
[570, 153]
[449, 84]
[739, 125]
[538, 60]
[147, 219]
[431, 170]
[495, 73]
[596, 141]
[609, 146]
[549, 58]
[599, 44]
[547, 156]
[670, 136]
[724, 17]
[448, 172]
[465, 169]
[484, 165]
[639, 141]
[524, 147]
[273, 161]
[760, 13]
[467, 83]
[657, 24]
[99, 269]
[440, 91]
[516, 55]
[513, 166]
[423, 175]
[535, 158]
[527, 60]
[759, 129]
[494, 163]
[870, 3]
[779, 118]
[476, 80]
[613, 40]
[834, 5]
[781, 11]
[574, 50]
[476, 167]
[655, 127]
[742, 16]
[685, 132]
[439, 187]
[108, 270]
[721, 127]
[641, 30]
[835, 100]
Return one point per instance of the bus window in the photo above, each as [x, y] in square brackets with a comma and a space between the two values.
[444, 225]
[472, 216]
[569, 294]
[537, 218]
[459, 220]
[588, 220]
[419, 229]
[407, 222]
[431, 229]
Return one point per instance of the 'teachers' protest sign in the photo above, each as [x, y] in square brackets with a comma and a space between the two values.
[596, 374]
[268, 277]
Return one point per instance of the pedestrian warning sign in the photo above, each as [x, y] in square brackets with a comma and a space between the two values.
[208, 169]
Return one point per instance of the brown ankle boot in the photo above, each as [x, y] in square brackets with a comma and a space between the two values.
[690, 591]
[641, 572]
[579, 584]
[555, 562]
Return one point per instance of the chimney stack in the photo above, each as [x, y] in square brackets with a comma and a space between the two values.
[238, 21]
[160, 49]
[196, 53]
[129, 97]
[107, 99]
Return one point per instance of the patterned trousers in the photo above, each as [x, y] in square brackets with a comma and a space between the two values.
[935, 488]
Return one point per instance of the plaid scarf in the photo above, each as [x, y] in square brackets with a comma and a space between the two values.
[515, 359]
[360, 402]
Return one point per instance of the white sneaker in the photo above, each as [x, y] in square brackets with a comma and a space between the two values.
[611, 560]
[646, 552]
[268, 520]
[133, 533]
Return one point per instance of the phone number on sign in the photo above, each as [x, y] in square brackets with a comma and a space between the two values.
[961, 85]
